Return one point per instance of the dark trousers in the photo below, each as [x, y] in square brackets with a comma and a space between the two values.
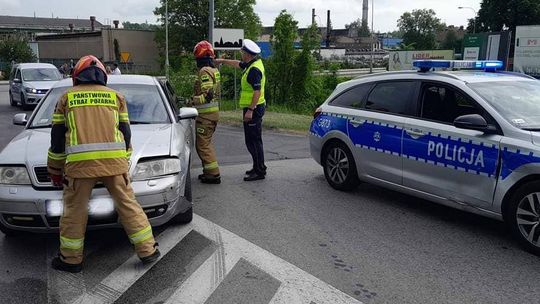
[253, 137]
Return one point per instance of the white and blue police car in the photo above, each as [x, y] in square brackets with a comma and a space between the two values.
[468, 139]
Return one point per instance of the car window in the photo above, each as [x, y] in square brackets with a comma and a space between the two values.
[171, 95]
[42, 74]
[392, 97]
[353, 98]
[18, 74]
[145, 105]
[444, 104]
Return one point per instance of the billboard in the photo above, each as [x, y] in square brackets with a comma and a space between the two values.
[527, 52]
[227, 39]
[487, 46]
[403, 60]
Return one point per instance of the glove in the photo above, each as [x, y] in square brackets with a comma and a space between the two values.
[56, 180]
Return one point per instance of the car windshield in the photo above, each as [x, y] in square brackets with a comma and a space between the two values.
[517, 101]
[145, 105]
[41, 75]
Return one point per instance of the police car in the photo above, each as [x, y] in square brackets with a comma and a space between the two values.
[468, 139]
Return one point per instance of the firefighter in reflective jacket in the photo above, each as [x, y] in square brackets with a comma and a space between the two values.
[206, 101]
[90, 143]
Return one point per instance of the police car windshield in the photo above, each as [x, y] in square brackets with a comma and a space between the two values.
[517, 101]
[145, 105]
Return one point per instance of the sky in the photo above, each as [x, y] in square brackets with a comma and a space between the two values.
[386, 12]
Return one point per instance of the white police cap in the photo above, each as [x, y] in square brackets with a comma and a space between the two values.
[251, 47]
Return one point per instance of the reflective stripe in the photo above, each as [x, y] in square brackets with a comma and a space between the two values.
[124, 117]
[141, 236]
[58, 118]
[208, 110]
[117, 136]
[56, 156]
[72, 129]
[96, 155]
[73, 244]
[128, 153]
[207, 105]
[95, 147]
[212, 165]
[91, 98]
[207, 85]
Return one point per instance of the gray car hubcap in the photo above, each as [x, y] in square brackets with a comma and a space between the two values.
[528, 218]
[337, 164]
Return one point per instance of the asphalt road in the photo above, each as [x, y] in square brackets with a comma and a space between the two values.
[287, 239]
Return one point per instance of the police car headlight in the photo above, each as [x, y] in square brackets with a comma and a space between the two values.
[156, 168]
[14, 176]
[31, 90]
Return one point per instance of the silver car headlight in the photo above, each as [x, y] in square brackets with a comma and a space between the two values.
[156, 168]
[31, 90]
[14, 176]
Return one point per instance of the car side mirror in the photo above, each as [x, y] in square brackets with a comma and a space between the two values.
[20, 119]
[187, 113]
[474, 122]
[16, 80]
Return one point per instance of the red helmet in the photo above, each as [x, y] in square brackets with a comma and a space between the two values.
[203, 49]
[86, 62]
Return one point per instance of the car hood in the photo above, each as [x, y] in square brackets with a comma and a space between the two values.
[31, 145]
[41, 85]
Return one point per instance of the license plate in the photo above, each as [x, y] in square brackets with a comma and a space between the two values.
[99, 206]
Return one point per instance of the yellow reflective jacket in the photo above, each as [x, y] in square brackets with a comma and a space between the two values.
[207, 90]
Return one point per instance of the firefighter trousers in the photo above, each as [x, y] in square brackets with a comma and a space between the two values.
[77, 192]
[206, 126]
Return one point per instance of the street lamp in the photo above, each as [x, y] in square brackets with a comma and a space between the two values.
[474, 19]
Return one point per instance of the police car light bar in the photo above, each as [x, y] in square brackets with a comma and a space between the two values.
[488, 65]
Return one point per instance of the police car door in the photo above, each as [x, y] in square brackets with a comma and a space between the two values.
[376, 130]
[442, 160]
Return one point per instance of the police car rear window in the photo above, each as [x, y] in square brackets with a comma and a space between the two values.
[392, 97]
[353, 98]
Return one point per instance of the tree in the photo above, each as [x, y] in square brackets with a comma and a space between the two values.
[420, 27]
[360, 26]
[281, 62]
[188, 21]
[304, 65]
[14, 48]
[497, 15]
[451, 41]
[139, 26]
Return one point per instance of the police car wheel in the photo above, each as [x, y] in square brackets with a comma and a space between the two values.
[523, 216]
[339, 167]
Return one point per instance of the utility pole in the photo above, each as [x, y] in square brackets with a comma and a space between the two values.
[211, 22]
[312, 16]
[372, 37]
[328, 25]
[167, 39]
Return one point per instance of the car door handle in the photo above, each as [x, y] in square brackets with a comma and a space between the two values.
[356, 123]
[415, 133]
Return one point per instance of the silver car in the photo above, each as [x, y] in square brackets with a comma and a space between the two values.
[29, 82]
[465, 139]
[162, 139]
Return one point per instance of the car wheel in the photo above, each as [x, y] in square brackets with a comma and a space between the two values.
[24, 106]
[340, 167]
[9, 232]
[523, 216]
[11, 101]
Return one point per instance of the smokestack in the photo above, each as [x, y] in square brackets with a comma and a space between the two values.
[365, 11]
[328, 29]
[71, 27]
[312, 16]
[92, 23]
[116, 22]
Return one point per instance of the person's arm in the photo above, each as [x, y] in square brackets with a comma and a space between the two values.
[123, 125]
[229, 62]
[56, 156]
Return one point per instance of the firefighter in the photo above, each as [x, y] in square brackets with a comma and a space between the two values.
[90, 143]
[206, 101]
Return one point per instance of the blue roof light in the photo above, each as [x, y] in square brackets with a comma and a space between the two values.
[488, 65]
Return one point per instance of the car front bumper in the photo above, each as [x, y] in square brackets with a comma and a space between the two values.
[31, 98]
[25, 207]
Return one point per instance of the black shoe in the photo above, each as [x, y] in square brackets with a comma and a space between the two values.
[249, 172]
[210, 179]
[253, 177]
[58, 264]
[151, 258]
[200, 176]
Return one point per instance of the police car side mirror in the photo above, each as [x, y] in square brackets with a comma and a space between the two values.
[187, 113]
[474, 122]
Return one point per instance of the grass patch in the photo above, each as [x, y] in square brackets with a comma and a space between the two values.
[284, 122]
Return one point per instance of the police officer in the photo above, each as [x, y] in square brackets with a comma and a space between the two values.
[90, 143]
[253, 104]
[205, 100]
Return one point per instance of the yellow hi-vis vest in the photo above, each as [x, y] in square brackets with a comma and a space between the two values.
[246, 94]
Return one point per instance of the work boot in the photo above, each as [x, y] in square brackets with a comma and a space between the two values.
[210, 179]
[248, 172]
[253, 177]
[151, 258]
[58, 264]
